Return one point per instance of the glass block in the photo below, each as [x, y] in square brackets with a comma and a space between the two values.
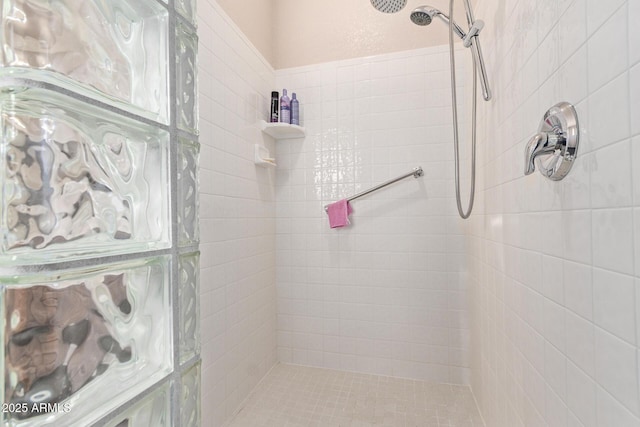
[189, 273]
[83, 341]
[190, 398]
[115, 51]
[187, 8]
[188, 226]
[152, 411]
[186, 84]
[77, 180]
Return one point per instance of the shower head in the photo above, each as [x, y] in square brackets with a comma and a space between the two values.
[424, 15]
[389, 6]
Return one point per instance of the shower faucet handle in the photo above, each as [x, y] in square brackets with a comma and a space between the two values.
[555, 146]
[541, 143]
[533, 146]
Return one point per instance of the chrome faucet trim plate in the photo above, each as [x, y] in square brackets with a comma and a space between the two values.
[554, 148]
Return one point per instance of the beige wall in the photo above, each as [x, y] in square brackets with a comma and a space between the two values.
[311, 31]
[292, 33]
[255, 18]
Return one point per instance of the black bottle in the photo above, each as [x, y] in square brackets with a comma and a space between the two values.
[275, 107]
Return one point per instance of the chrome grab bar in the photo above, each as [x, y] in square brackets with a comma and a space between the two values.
[416, 173]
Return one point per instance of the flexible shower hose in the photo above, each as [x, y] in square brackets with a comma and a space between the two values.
[454, 99]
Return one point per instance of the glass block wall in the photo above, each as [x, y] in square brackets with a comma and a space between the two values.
[99, 260]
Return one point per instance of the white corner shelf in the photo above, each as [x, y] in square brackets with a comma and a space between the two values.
[282, 130]
[262, 158]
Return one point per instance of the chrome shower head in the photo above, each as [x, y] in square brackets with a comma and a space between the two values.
[389, 6]
[424, 15]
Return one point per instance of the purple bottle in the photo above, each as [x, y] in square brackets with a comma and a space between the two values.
[295, 110]
[285, 108]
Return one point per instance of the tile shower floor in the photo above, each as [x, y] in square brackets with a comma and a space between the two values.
[303, 396]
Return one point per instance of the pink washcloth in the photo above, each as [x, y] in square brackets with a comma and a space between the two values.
[339, 213]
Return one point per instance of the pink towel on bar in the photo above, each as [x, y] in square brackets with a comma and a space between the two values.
[339, 213]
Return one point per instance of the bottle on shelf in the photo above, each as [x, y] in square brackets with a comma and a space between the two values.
[275, 107]
[295, 110]
[285, 108]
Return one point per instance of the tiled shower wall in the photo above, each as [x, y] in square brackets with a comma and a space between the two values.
[383, 295]
[555, 266]
[238, 293]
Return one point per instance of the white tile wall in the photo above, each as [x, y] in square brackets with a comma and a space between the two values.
[383, 295]
[580, 366]
[237, 217]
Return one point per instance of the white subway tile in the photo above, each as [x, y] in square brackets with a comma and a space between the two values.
[580, 342]
[613, 239]
[547, 13]
[577, 242]
[611, 184]
[578, 289]
[612, 413]
[614, 303]
[598, 13]
[556, 408]
[573, 87]
[534, 387]
[634, 32]
[581, 395]
[552, 278]
[554, 320]
[634, 98]
[608, 120]
[548, 53]
[616, 369]
[555, 368]
[553, 235]
[637, 285]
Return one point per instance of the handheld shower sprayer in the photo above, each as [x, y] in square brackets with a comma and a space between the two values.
[424, 15]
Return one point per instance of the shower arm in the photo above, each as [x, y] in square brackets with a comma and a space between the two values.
[456, 28]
